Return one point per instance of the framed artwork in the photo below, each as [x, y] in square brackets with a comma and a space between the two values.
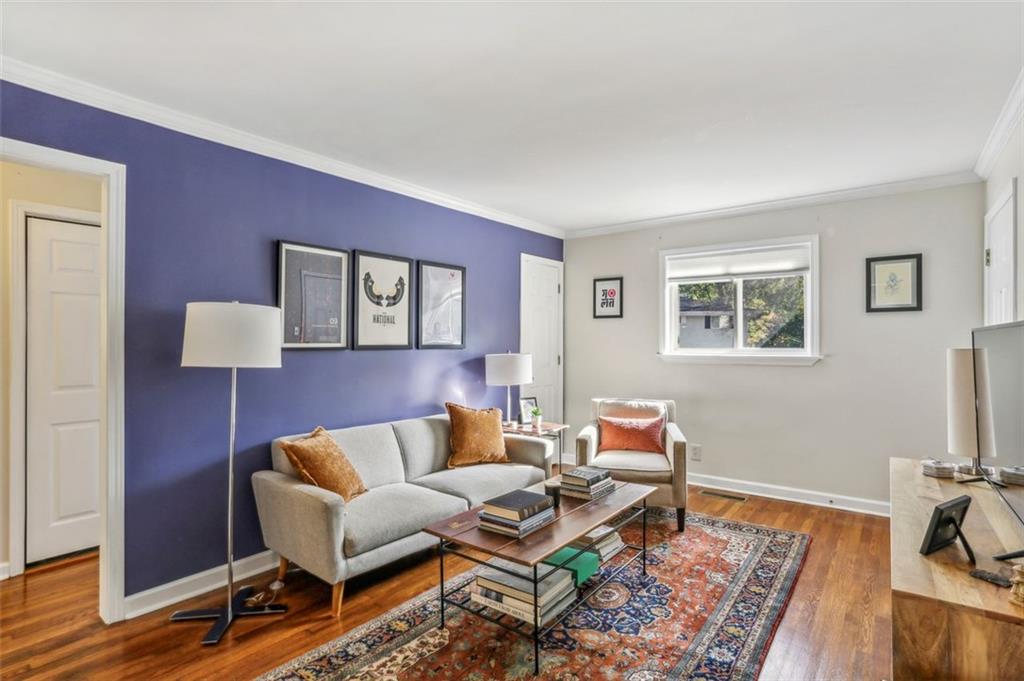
[383, 301]
[312, 292]
[608, 298]
[526, 407]
[442, 306]
[893, 283]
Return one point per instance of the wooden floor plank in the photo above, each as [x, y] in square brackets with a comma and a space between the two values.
[836, 626]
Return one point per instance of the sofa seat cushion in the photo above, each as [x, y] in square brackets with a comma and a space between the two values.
[637, 466]
[484, 481]
[390, 512]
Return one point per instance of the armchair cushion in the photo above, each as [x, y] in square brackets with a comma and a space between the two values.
[390, 512]
[632, 434]
[653, 467]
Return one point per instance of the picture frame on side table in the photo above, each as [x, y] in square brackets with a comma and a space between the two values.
[526, 406]
[313, 294]
[383, 301]
[608, 298]
[894, 283]
[441, 312]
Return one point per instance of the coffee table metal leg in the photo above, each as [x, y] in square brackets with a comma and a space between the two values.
[536, 626]
[644, 559]
[440, 555]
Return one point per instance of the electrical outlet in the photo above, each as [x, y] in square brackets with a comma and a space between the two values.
[695, 452]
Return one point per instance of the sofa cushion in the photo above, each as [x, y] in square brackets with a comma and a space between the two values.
[373, 451]
[321, 462]
[478, 483]
[647, 467]
[425, 444]
[476, 436]
[390, 512]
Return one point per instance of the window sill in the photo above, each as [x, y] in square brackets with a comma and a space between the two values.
[762, 360]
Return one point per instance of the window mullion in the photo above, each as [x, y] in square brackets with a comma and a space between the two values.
[739, 314]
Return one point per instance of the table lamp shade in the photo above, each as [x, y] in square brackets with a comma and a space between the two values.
[968, 404]
[508, 369]
[232, 335]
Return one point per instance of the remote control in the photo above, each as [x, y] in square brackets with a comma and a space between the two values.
[991, 577]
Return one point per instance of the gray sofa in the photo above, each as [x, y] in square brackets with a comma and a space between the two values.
[404, 467]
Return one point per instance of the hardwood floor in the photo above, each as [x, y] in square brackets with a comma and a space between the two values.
[837, 625]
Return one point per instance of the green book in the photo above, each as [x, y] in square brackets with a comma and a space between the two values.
[582, 566]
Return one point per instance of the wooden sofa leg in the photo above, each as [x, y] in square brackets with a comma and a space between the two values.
[282, 569]
[681, 519]
[337, 594]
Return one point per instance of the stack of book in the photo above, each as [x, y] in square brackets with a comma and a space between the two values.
[609, 543]
[587, 482]
[513, 594]
[1012, 475]
[937, 469]
[517, 513]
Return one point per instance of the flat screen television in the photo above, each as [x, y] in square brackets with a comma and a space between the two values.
[999, 385]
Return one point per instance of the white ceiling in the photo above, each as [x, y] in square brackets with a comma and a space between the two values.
[569, 115]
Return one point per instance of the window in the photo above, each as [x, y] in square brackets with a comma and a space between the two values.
[753, 302]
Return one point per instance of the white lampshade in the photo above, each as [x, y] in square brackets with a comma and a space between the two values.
[508, 369]
[966, 409]
[232, 335]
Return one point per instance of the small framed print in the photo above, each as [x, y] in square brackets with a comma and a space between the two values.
[526, 407]
[441, 320]
[893, 283]
[607, 297]
[383, 294]
[312, 292]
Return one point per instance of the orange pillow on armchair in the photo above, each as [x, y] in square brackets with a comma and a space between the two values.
[637, 435]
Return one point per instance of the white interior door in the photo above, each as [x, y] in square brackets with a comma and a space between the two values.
[1000, 258]
[63, 388]
[540, 331]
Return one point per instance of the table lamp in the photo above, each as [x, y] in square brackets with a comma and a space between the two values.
[969, 426]
[508, 369]
[231, 336]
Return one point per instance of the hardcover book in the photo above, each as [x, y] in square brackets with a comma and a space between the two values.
[585, 475]
[518, 504]
[583, 566]
[544, 616]
[520, 585]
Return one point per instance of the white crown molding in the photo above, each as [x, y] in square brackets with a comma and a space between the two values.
[853, 194]
[194, 585]
[1009, 118]
[80, 91]
[801, 496]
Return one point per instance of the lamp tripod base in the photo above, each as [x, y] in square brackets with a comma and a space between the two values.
[225, 617]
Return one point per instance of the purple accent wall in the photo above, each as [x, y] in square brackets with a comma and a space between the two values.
[202, 223]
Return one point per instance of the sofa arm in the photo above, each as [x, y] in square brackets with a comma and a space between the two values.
[677, 457]
[301, 522]
[533, 451]
[586, 445]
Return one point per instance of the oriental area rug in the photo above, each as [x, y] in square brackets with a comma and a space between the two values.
[707, 609]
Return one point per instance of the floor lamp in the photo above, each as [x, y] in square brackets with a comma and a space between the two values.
[231, 336]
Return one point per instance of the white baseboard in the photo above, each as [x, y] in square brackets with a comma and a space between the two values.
[194, 585]
[5, 570]
[803, 496]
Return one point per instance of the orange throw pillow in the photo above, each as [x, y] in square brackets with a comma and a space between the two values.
[638, 435]
[321, 462]
[476, 436]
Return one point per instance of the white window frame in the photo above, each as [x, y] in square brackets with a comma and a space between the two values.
[668, 308]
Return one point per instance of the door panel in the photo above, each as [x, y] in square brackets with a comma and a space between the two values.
[1000, 255]
[63, 437]
[541, 332]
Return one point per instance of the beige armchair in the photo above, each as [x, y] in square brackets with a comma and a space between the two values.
[666, 471]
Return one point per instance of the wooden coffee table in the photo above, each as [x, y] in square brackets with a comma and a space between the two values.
[573, 519]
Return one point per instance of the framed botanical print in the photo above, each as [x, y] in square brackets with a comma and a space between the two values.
[526, 407]
[893, 283]
[441, 311]
[383, 307]
[313, 295]
[607, 297]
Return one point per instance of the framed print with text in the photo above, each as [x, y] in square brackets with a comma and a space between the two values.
[383, 301]
[608, 298]
[312, 293]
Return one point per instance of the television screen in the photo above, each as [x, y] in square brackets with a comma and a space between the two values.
[999, 378]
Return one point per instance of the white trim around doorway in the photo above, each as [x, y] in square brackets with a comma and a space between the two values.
[523, 302]
[112, 220]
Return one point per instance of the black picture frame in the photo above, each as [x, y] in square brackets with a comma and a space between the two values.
[359, 293]
[917, 291]
[618, 288]
[288, 304]
[946, 526]
[422, 342]
[525, 402]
